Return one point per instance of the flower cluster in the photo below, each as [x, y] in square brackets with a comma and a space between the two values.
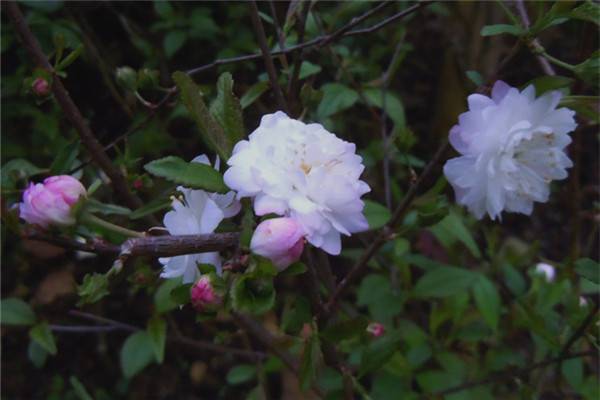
[51, 202]
[511, 145]
[303, 172]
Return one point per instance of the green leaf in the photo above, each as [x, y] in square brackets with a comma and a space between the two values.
[79, 389]
[296, 313]
[17, 169]
[444, 282]
[174, 41]
[163, 8]
[379, 352]
[572, 370]
[393, 105]
[36, 354]
[255, 296]
[307, 69]
[488, 301]
[162, 298]
[336, 97]
[137, 352]
[452, 228]
[588, 11]
[157, 331]
[347, 329]
[253, 93]
[15, 311]
[589, 70]
[65, 158]
[41, 334]
[227, 109]
[296, 268]
[491, 30]
[584, 106]
[547, 83]
[93, 288]
[210, 129]
[189, 174]
[70, 59]
[475, 77]
[377, 215]
[588, 269]
[150, 208]
[240, 374]
[182, 294]
[95, 206]
[310, 360]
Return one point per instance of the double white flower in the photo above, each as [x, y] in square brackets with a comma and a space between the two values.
[304, 172]
[512, 146]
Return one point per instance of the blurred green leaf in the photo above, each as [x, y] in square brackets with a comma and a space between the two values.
[572, 370]
[63, 162]
[15, 311]
[444, 282]
[174, 41]
[93, 288]
[41, 334]
[310, 360]
[151, 207]
[162, 298]
[488, 300]
[240, 374]
[227, 109]
[256, 296]
[79, 389]
[545, 84]
[492, 30]
[475, 77]
[189, 174]
[589, 269]
[379, 352]
[377, 215]
[393, 105]
[36, 354]
[95, 206]
[70, 59]
[157, 331]
[589, 70]
[254, 93]
[452, 228]
[584, 106]
[18, 169]
[210, 130]
[307, 69]
[136, 354]
[163, 8]
[588, 11]
[336, 98]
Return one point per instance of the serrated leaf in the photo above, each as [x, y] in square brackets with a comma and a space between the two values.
[377, 215]
[93, 288]
[157, 331]
[189, 174]
[42, 335]
[336, 97]
[15, 311]
[211, 131]
[487, 300]
[254, 93]
[491, 30]
[444, 282]
[240, 374]
[227, 109]
[162, 298]
[137, 353]
[589, 269]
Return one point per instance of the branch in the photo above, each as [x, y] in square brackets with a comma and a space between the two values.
[70, 109]
[116, 325]
[510, 373]
[535, 43]
[264, 47]
[96, 246]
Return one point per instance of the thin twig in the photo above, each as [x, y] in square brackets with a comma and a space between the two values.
[510, 373]
[83, 328]
[96, 246]
[69, 108]
[264, 47]
[292, 89]
[198, 344]
[279, 32]
[535, 43]
[580, 330]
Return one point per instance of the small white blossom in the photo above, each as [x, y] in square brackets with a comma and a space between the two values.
[304, 172]
[546, 270]
[512, 146]
[196, 212]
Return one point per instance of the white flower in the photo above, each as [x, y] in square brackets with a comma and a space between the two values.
[304, 172]
[512, 146]
[196, 212]
[546, 270]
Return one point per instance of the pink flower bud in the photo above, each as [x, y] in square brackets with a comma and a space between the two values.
[203, 294]
[279, 239]
[138, 184]
[40, 87]
[50, 203]
[376, 329]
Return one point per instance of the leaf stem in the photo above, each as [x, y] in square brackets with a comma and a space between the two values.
[92, 219]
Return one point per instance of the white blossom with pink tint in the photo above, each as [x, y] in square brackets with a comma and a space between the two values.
[203, 294]
[376, 329]
[512, 146]
[304, 172]
[51, 202]
[279, 239]
[546, 270]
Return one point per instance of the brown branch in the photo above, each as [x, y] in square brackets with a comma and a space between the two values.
[510, 373]
[69, 108]
[96, 246]
[198, 344]
[264, 47]
[535, 43]
[385, 233]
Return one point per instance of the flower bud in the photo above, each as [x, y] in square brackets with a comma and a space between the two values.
[40, 87]
[279, 239]
[546, 270]
[376, 329]
[127, 78]
[203, 294]
[50, 203]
